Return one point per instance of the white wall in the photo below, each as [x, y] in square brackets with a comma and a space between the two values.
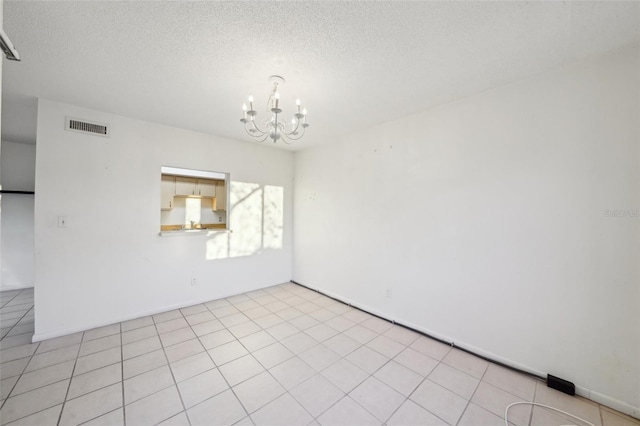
[17, 173]
[486, 219]
[109, 264]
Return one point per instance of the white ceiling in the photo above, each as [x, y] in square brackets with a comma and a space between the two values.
[353, 64]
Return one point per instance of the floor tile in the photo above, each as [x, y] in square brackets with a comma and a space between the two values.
[268, 321]
[344, 375]
[59, 342]
[141, 347]
[217, 338]
[321, 332]
[402, 335]
[416, 361]
[377, 398]
[466, 363]
[224, 408]
[192, 310]
[258, 391]
[282, 331]
[201, 317]
[191, 366]
[13, 368]
[224, 311]
[377, 324]
[94, 380]
[439, 401]
[143, 363]
[246, 305]
[136, 323]
[31, 402]
[91, 405]
[241, 369]
[347, 412]
[99, 344]
[322, 315]
[572, 404]
[430, 347]
[284, 410]
[112, 418]
[510, 381]
[299, 342]
[341, 344]
[42, 377]
[172, 325]
[96, 333]
[316, 394]
[257, 312]
[19, 340]
[6, 387]
[411, 413]
[304, 322]
[292, 372]
[56, 356]
[455, 380]
[45, 417]
[272, 355]
[201, 387]
[234, 319]
[244, 329]
[386, 346]
[340, 323]
[166, 316]
[17, 352]
[367, 359]
[289, 314]
[399, 377]
[183, 350]
[257, 341]
[147, 383]
[496, 400]
[179, 419]
[610, 418]
[177, 336]
[139, 334]
[154, 408]
[360, 334]
[207, 327]
[228, 352]
[475, 415]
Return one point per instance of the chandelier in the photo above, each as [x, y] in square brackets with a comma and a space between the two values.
[274, 126]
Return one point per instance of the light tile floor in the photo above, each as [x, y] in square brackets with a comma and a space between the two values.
[284, 355]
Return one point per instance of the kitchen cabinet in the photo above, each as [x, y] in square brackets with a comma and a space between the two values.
[221, 196]
[206, 187]
[167, 192]
[186, 186]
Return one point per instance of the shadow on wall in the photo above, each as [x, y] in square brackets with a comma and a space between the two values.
[256, 218]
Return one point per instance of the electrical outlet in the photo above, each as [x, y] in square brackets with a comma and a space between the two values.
[194, 281]
[388, 293]
[220, 219]
[62, 221]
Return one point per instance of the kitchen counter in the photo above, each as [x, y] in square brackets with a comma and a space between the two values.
[164, 228]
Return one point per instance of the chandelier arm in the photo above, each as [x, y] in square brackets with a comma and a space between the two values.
[293, 132]
[258, 129]
[288, 135]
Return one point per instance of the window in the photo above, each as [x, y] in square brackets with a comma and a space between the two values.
[192, 200]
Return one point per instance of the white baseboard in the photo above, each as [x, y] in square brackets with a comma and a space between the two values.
[8, 287]
[38, 337]
[606, 400]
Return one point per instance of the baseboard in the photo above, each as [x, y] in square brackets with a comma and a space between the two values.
[606, 400]
[38, 337]
[10, 287]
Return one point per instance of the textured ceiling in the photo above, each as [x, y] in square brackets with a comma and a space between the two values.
[354, 64]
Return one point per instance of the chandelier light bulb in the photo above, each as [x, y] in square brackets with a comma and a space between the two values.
[244, 107]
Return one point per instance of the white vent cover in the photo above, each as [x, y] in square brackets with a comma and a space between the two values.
[84, 126]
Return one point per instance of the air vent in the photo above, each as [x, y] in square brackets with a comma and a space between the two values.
[84, 126]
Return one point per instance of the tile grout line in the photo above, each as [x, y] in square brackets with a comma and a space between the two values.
[75, 362]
